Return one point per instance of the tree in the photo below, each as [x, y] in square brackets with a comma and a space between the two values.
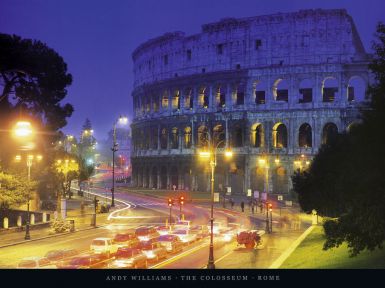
[34, 76]
[14, 190]
[346, 179]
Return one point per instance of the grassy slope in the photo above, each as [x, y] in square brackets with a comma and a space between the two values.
[309, 254]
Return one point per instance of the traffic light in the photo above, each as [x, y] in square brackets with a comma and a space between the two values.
[181, 200]
[270, 206]
[170, 202]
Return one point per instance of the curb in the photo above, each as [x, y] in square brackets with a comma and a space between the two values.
[277, 263]
[49, 236]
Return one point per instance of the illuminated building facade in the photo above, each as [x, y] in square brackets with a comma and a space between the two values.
[274, 88]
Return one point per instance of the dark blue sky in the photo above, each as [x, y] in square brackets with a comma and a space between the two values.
[96, 38]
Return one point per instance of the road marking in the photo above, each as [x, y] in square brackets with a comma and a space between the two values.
[177, 257]
[277, 263]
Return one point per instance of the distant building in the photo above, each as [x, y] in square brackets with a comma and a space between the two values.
[274, 88]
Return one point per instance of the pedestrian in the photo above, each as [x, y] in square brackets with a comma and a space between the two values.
[260, 207]
[252, 208]
[232, 203]
[243, 206]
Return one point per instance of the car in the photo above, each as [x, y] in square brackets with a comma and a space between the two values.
[185, 235]
[182, 224]
[103, 246]
[228, 235]
[129, 258]
[146, 233]
[163, 230]
[217, 227]
[200, 230]
[153, 250]
[57, 255]
[126, 239]
[35, 263]
[83, 262]
[172, 243]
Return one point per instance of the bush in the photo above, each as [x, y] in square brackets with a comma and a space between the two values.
[59, 226]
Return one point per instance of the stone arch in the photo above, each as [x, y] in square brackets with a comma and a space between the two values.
[203, 97]
[220, 95]
[329, 89]
[306, 91]
[257, 179]
[280, 180]
[305, 139]
[237, 135]
[219, 136]
[239, 94]
[165, 99]
[259, 88]
[202, 136]
[351, 125]
[163, 177]
[329, 132]
[281, 90]
[188, 98]
[174, 177]
[175, 101]
[279, 135]
[163, 138]
[154, 176]
[356, 89]
[187, 137]
[257, 135]
[174, 143]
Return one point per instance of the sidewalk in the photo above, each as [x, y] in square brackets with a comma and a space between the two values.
[82, 222]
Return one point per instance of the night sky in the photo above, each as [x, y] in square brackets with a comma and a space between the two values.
[96, 39]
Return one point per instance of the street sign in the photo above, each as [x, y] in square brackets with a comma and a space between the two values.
[264, 196]
[249, 192]
[216, 197]
[289, 203]
[280, 197]
[256, 194]
[228, 191]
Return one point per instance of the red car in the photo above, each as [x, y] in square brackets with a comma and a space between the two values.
[83, 262]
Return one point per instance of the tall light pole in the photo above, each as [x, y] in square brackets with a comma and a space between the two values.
[213, 162]
[30, 159]
[122, 120]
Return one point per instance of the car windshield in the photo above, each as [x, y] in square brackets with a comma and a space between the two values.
[98, 242]
[27, 264]
[181, 232]
[166, 238]
[121, 254]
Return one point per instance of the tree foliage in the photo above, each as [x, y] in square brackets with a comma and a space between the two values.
[14, 190]
[34, 76]
[346, 179]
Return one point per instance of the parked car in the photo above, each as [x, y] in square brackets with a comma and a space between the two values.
[145, 233]
[126, 239]
[103, 246]
[35, 263]
[83, 262]
[186, 236]
[200, 230]
[129, 258]
[153, 250]
[57, 255]
[172, 243]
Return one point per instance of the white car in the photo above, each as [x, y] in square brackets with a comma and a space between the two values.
[185, 235]
[35, 263]
[103, 246]
[185, 224]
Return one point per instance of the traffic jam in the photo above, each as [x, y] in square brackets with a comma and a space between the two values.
[143, 247]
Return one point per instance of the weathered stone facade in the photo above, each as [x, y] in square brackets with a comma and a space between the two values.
[273, 88]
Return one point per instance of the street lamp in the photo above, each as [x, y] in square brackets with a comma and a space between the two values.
[212, 155]
[30, 159]
[122, 120]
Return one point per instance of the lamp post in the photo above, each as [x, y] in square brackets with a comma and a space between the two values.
[122, 120]
[30, 159]
[213, 162]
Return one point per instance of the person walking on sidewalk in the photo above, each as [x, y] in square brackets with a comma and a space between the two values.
[232, 203]
[243, 206]
[252, 207]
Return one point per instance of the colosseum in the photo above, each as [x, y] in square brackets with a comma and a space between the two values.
[271, 88]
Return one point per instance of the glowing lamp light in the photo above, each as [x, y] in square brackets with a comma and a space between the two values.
[23, 129]
[18, 158]
[262, 161]
[123, 120]
[228, 153]
[39, 157]
[307, 162]
[276, 160]
[204, 154]
[297, 163]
